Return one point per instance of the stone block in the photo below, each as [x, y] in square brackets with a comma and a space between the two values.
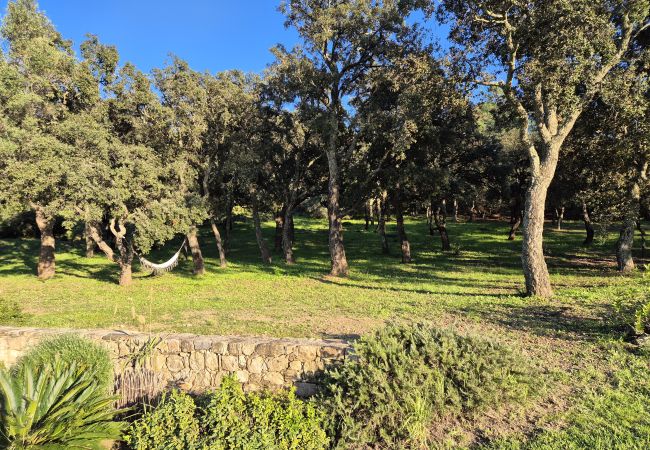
[229, 363]
[277, 363]
[211, 361]
[197, 361]
[175, 363]
[256, 364]
[306, 352]
[273, 378]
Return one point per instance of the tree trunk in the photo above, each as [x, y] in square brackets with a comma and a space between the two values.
[538, 281]
[288, 235]
[631, 215]
[441, 224]
[559, 217]
[279, 225]
[515, 217]
[96, 235]
[197, 256]
[401, 231]
[624, 246]
[261, 242]
[455, 210]
[381, 222]
[430, 219]
[217, 237]
[337, 250]
[46, 265]
[126, 273]
[124, 243]
[515, 223]
[367, 214]
[126, 263]
[90, 243]
[472, 213]
[589, 227]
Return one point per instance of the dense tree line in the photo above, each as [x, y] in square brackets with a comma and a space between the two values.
[538, 105]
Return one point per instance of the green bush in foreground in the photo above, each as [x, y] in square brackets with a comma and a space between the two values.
[229, 419]
[59, 405]
[407, 377]
[71, 348]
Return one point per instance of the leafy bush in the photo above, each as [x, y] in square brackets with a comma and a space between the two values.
[171, 425]
[71, 348]
[11, 313]
[229, 419]
[54, 406]
[632, 308]
[406, 377]
[232, 419]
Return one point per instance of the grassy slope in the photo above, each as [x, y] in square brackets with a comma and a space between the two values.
[571, 339]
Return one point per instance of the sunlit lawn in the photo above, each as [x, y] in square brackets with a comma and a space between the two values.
[573, 340]
[482, 281]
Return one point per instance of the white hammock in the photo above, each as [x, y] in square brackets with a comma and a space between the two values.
[167, 266]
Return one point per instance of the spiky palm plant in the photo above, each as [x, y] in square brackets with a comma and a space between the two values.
[61, 405]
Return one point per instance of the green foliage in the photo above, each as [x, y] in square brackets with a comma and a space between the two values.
[406, 377]
[56, 406]
[70, 349]
[230, 419]
[11, 313]
[634, 310]
[234, 420]
[171, 425]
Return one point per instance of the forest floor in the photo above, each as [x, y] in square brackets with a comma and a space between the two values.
[587, 373]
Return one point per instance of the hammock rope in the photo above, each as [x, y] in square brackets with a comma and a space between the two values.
[167, 266]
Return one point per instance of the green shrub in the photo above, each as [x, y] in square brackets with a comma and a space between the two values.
[171, 425]
[230, 419]
[71, 348]
[633, 309]
[55, 406]
[11, 313]
[406, 377]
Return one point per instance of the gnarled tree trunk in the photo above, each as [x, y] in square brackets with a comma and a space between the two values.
[217, 238]
[455, 210]
[624, 259]
[261, 242]
[96, 235]
[632, 211]
[195, 248]
[124, 243]
[279, 225]
[46, 265]
[538, 281]
[589, 227]
[401, 231]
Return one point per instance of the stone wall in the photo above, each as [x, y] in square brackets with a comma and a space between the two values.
[197, 363]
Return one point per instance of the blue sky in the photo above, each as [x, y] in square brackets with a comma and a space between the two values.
[211, 35]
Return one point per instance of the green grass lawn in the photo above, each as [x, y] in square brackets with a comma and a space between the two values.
[574, 339]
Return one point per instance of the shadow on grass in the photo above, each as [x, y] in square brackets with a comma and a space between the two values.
[553, 321]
